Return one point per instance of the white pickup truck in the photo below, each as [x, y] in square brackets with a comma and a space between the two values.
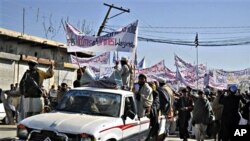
[89, 114]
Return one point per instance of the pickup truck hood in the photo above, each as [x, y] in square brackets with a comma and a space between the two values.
[68, 122]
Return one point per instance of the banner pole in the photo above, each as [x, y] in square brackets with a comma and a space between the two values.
[78, 63]
[197, 58]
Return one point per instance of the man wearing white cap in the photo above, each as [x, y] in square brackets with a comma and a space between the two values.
[30, 88]
[125, 73]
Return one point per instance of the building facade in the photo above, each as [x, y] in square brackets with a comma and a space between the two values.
[17, 48]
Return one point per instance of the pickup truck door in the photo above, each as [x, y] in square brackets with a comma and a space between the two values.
[144, 125]
[132, 126]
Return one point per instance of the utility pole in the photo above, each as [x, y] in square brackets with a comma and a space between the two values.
[196, 41]
[23, 19]
[107, 16]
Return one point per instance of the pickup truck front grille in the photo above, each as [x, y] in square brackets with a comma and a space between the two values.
[44, 135]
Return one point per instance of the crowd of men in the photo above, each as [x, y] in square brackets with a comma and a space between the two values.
[194, 113]
[198, 114]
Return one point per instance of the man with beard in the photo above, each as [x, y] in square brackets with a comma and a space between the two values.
[125, 73]
[30, 88]
[64, 89]
[79, 74]
[144, 97]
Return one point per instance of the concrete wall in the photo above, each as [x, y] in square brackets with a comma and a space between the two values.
[7, 75]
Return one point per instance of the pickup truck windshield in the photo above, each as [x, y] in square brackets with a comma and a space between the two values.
[91, 102]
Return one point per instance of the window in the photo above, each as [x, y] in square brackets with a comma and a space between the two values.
[129, 104]
[91, 102]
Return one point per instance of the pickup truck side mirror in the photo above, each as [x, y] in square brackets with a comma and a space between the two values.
[129, 114]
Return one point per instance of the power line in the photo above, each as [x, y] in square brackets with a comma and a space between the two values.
[170, 32]
[201, 43]
[189, 27]
[212, 43]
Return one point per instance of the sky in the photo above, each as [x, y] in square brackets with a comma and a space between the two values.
[213, 20]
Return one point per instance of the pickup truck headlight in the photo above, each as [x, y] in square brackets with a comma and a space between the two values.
[86, 137]
[22, 132]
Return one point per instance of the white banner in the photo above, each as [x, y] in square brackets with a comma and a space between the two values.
[155, 69]
[124, 40]
[158, 71]
[97, 60]
[223, 78]
[187, 73]
[106, 71]
[219, 79]
[102, 71]
[169, 75]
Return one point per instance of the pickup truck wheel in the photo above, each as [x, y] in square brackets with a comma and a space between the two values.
[111, 140]
[5, 120]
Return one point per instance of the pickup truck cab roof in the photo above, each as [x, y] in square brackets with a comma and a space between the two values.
[114, 91]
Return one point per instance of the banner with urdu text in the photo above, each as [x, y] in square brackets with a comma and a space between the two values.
[124, 39]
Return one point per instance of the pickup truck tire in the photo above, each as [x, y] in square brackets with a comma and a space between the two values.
[111, 140]
[5, 120]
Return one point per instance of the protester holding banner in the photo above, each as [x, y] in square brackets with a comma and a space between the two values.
[125, 73]
[30, 88]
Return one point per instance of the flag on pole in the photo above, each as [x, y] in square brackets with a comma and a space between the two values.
[72, 30]
[114, 57]
[135, 61]
[142, 64]
[196, 41]
[117, 56]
